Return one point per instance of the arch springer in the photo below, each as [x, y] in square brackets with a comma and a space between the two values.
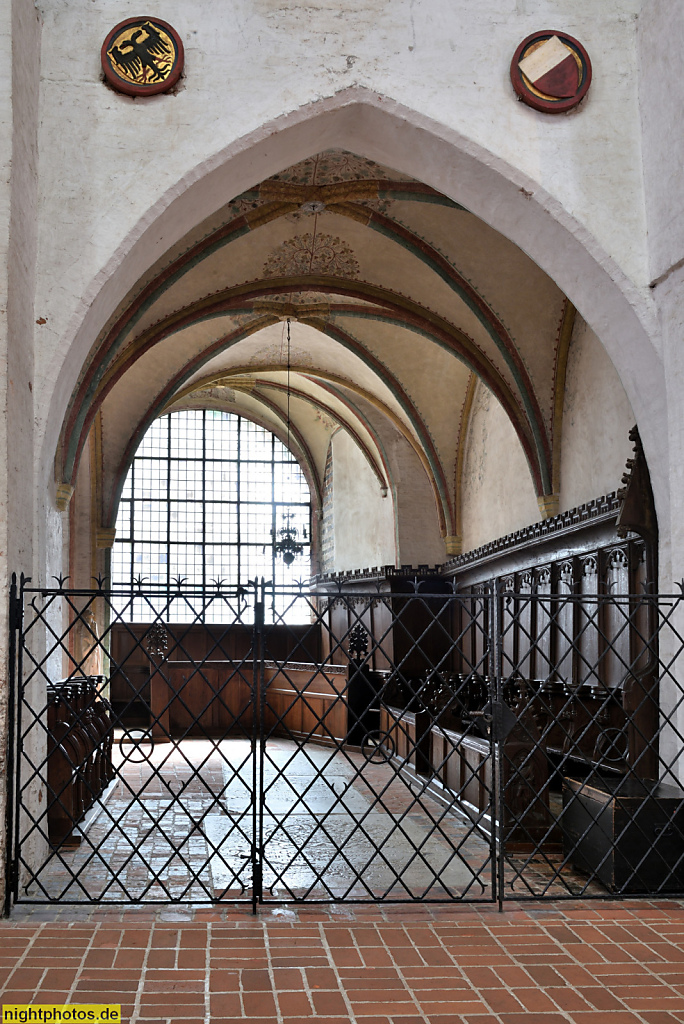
[453, 545]
[549, 505]
[105, 536]
[63, 495]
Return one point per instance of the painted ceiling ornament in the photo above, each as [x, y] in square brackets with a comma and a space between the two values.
[551, 72]
[332, 166]
[142, 57]
[312, 254]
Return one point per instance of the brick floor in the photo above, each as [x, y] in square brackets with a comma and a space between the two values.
[552, 963]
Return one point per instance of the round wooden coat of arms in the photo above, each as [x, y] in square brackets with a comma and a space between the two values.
[142, 57]
[551, 71]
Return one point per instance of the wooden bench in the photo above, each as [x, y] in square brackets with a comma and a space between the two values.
[463, 765]
[218, 698]
[79, 755]
[304, 700]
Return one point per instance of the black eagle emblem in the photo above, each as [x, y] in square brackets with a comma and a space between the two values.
[142, 50]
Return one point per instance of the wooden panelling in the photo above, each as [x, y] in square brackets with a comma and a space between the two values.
[463, 763]
[202, 683]
[302, 700]
[411, 735]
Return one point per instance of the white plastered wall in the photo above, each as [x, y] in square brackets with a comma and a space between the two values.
[5, 198]
[19, 199]
[661, 87]
[446, 61]
[496, 490]
[597, 418]
[363, 519]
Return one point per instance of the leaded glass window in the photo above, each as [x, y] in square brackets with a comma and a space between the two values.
[203, 495]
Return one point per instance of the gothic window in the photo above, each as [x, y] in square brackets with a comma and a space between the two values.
[201, 501]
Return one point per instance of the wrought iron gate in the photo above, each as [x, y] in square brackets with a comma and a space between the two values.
[257, 745]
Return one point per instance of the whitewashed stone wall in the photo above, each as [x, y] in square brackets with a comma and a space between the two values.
[497, 493]
[5, 194]
[19, 93]
[597, 418]
[661, 84]
[363, 519]
[116, 173]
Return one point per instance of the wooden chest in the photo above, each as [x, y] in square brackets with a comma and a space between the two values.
[624, 832]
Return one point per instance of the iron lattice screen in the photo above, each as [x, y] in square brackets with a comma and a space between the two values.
[400, 744]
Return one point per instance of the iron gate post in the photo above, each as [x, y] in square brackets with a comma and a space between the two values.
[18, 740]
[15, 618]
[495, 742]
[257, 743]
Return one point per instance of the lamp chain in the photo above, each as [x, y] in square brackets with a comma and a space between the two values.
[288, 384]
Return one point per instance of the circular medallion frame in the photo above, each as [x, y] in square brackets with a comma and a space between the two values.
[160, 56]
[536, 99]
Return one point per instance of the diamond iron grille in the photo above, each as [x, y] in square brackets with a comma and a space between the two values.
[400, 745]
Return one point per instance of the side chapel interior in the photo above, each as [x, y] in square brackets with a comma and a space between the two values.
[455, 417]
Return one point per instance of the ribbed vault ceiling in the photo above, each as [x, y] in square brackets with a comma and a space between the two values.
[398, 300]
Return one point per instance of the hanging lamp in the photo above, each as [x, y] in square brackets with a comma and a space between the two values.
[286, 543]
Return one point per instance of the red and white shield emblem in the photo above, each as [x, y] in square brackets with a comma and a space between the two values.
[551, 71]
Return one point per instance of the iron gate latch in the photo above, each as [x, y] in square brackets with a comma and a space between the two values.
[500, 719]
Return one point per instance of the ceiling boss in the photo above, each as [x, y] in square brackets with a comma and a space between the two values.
[142, 57]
